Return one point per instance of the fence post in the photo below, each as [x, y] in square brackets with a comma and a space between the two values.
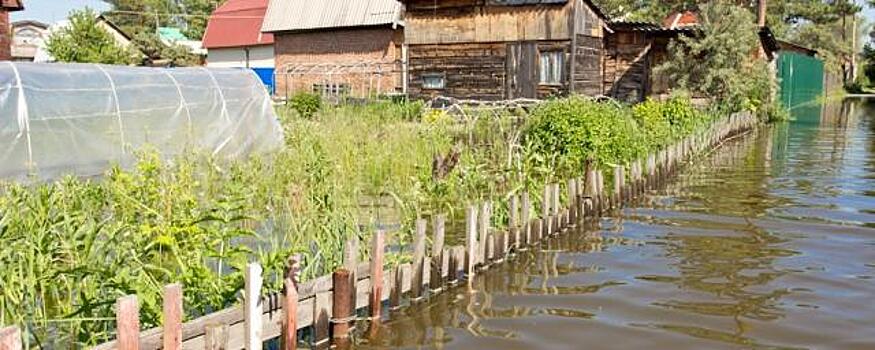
[471, 241]
[512, 219]
[484, 234]
[438, 256]
[10, 338]
[525, 220]
[127, 319]
[172, 317]
[418, 260]
[289, 337]
[342, 303]
[619, 179]
[545, 208]
[253, 306]
[377, 249]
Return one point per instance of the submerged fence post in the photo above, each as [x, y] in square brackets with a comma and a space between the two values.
[253, 307]
[10, 338]
[525, 219]
[512, 220]
[439, 257]
[377, 249]
[619, 178]
[127, 320]
[172, 309]
[418, 259]
[471, 241]
[343, 306]
[484, 233]
[545, 209]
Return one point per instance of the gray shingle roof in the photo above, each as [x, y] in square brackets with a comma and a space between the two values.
[301, 15]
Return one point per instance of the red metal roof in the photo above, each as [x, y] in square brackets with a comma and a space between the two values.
[681, 20]
[237, 23]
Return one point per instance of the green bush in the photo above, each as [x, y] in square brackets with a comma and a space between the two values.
[567, 132]
[306, 104]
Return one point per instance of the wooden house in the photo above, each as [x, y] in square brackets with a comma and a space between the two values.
[504, 49]
[633, 50]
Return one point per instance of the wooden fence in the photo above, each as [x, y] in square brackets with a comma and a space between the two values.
[329, 304]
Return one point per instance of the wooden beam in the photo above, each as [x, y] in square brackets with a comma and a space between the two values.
[10, 338]
[253, 306]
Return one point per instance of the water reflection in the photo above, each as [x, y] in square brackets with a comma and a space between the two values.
[766, 243]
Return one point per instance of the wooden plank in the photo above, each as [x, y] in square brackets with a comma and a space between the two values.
[322, 309]
[526, 217]
[216, 337]
[10, 338]
[253, 306]
[483, 245]
[127, 319]
[172, 317]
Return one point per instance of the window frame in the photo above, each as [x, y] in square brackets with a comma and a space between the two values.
[441, 76]
[557, 57]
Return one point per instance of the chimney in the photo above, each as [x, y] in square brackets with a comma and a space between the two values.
[761, 19]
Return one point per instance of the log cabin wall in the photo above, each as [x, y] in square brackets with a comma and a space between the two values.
[628, 66]
[486, 49]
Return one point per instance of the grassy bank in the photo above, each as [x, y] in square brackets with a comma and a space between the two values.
[71, 247]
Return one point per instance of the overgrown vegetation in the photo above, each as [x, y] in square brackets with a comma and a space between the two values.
[720, 62]
[73, 246]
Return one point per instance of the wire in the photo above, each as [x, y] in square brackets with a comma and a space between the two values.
[165, 14]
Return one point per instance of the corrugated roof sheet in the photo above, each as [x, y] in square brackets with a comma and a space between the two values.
[298, 15]
[237, 23]
[525, 2]
[647, 27]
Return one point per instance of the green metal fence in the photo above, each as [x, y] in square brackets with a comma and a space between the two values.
[801, 79]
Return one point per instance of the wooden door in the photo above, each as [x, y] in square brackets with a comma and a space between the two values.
[522, 70]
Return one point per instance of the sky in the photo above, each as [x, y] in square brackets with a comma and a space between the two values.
[50, 11]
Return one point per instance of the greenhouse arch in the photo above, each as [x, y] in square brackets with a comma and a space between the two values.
[79, 119]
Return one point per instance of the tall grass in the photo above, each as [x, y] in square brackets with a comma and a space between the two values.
[71, 247]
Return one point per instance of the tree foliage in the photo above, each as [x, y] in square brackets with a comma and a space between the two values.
[138, 16]
[720, 61]
[85, 41]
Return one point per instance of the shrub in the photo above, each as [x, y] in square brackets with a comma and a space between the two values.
[306, 104]
[565, 133]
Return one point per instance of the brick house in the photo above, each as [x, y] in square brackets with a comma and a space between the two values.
[233, 39]
[7, 6]
[337, 47]
[504, 49]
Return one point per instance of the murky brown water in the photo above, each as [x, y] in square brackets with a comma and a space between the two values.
[768, 243]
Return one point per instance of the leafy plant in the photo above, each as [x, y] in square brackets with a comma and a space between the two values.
[306, 104]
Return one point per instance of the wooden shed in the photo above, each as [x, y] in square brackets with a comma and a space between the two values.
[504, 49]
[633, 50]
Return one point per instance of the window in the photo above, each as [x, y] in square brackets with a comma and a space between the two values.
[331, 89]
[552, 63]
[434, 81]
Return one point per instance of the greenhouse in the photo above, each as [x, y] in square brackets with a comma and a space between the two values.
[58, 119]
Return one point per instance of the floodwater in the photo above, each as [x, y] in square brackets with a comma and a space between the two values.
[768, 243]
